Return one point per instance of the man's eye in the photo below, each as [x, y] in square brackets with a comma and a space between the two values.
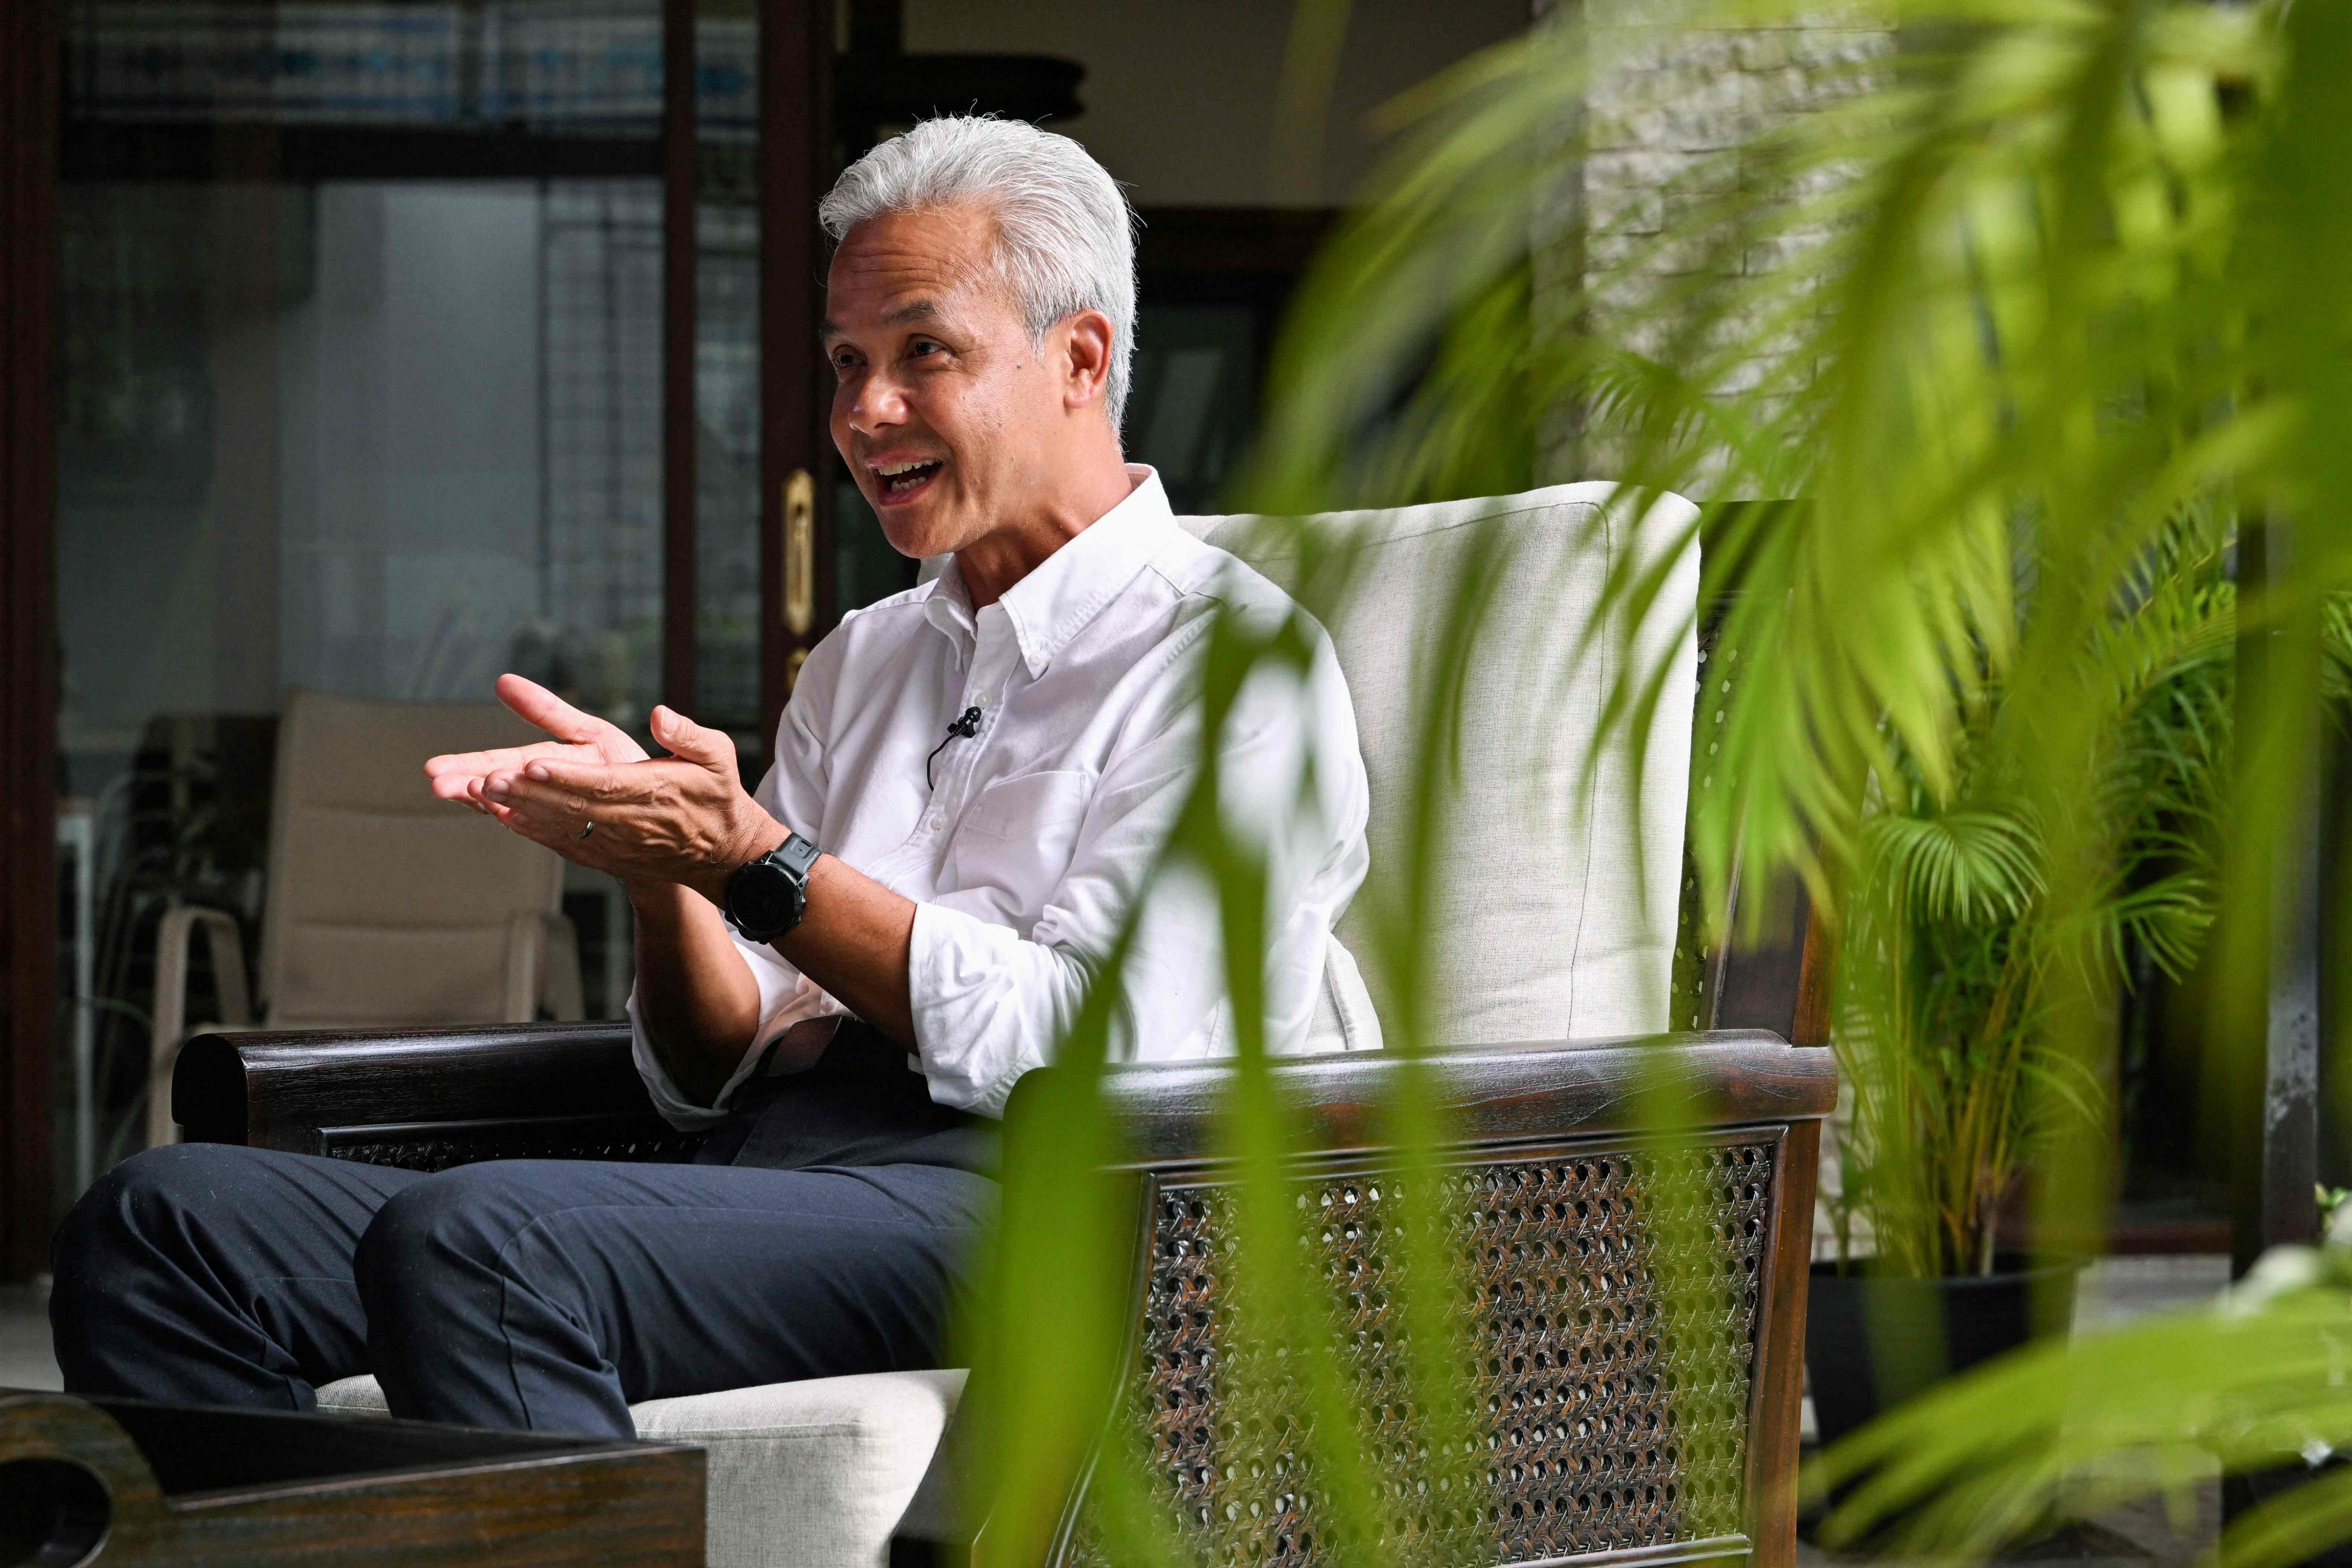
[923, 346]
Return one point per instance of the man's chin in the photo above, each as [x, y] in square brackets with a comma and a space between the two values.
[917, 531]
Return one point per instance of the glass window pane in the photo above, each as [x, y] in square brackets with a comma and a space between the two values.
[361, 393]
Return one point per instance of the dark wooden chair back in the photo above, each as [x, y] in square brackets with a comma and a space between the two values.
[1774, 972]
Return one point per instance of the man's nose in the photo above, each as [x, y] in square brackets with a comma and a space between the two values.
[878, 404]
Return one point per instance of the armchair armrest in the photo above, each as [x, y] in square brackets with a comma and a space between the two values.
[427, 1099]
[1522, 1090]
[175, 938]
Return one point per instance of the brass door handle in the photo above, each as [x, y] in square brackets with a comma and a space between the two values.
[800, 552]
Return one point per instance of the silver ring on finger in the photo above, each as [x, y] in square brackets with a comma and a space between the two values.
[586, 829]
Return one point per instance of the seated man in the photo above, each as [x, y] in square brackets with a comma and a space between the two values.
[974, 783]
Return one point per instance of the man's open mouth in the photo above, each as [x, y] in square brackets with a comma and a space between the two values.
[902, 479]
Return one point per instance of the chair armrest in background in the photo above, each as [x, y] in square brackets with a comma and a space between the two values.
[561, 989]
[427, 1098]
[174, 937]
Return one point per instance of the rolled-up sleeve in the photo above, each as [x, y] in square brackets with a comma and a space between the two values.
[791, 794]
[990, 1003]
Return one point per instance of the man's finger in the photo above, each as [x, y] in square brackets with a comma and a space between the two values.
[558, 831]
[536, 704]
[458, 785]
[471, 764]
[477, 765]
[591, 781]
[540, 828]
[687, 739]
[555, 826]
[535, 800]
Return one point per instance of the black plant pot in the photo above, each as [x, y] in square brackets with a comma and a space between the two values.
[1873, 1341]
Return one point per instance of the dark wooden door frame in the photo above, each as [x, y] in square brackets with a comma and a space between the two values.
[796, 158]
[679, 268]
[28, 176]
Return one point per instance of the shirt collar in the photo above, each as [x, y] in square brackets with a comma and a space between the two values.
[1067, 589]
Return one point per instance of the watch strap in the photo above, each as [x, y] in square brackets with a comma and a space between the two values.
[799, 856]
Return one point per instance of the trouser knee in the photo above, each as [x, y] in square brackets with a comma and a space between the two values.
[131, 1215]
[430, 1241]
[128, 1235]
[145, 1194]
[446, 1255]
[456, 1303]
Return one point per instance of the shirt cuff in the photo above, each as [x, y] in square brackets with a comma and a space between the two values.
[786, 996]
[986, 1005]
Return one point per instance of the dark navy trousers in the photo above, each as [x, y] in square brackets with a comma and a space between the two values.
[546, 1294]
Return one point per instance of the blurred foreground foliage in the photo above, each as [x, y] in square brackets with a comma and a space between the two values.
[2050, 319]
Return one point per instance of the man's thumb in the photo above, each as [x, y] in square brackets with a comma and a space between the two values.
[687, 739]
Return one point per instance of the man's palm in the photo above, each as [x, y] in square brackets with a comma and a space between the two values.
[578, 738]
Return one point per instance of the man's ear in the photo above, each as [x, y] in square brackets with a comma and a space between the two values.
[1091, 340]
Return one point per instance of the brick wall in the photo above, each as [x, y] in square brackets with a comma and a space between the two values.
[1657, 133]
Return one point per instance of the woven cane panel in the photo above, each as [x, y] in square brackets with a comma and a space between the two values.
[1605, 1404]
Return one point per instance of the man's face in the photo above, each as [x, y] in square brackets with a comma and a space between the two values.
[944, 408]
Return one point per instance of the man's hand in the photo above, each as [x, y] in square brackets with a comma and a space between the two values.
[578, 738]
[683, 822]
[683, 819]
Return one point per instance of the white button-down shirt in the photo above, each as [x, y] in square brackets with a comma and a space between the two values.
[1024, 845]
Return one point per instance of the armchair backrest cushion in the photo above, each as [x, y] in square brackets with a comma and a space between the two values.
[1555, 887]
[387, 906]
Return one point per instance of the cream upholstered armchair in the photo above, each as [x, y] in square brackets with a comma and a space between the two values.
[1557, 925]
[382, 905]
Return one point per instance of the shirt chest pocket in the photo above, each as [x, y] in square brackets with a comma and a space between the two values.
[1017, 838]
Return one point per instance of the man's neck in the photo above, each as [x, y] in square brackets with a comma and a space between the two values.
[990, 565]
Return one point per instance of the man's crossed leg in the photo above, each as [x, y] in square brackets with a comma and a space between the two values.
[521, 1293]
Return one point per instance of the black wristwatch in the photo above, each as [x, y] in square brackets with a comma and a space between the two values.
[767, 898]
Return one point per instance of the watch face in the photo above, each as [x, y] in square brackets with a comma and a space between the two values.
[765, 898]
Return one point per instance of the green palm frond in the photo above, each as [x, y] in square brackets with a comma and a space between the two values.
[1964, 866]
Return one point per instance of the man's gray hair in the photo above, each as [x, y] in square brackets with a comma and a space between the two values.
[1064, 239]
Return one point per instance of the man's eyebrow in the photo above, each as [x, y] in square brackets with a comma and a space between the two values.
[912, 310]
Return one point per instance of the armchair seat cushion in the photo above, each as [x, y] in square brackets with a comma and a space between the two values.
[803, 1475]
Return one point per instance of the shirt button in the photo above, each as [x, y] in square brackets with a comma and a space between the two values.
[938, 822]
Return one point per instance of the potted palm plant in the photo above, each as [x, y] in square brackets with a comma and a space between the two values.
[1942, 1027]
